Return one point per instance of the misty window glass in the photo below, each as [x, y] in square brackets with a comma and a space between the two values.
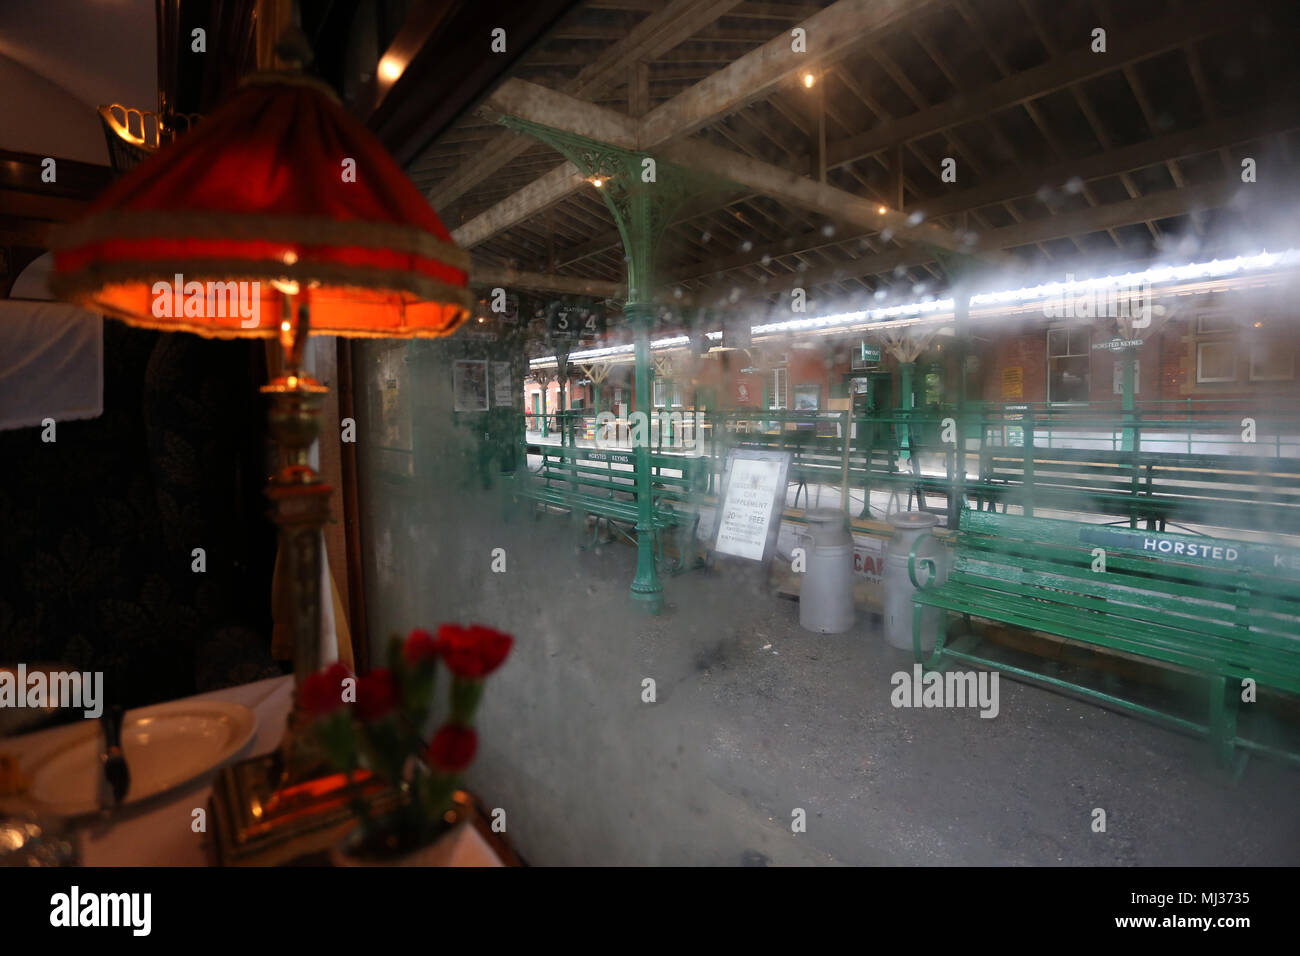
[1068, 364]
[661, 394]
[1216, 361]
[1272, 362]
[933, 390]
[1210, 324]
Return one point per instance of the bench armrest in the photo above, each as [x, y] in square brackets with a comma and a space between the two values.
[927, 563]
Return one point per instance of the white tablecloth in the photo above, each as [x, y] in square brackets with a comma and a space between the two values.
[159, 832]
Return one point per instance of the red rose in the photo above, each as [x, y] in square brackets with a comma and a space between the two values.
[376, 694]
[420, 647]
[322, 693]
[473, 651]
[452, 748]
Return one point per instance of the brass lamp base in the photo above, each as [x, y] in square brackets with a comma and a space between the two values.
[299, 508]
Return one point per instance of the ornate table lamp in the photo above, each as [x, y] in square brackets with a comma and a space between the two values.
[277, 215]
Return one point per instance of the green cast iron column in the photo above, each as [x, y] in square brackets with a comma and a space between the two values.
[1127, 381]
[961, 317]
[959, 271]
[646, 588]
[642, 194]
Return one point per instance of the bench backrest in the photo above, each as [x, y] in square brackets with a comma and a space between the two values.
[1259, 493]
[1234, 589]
[675, 477]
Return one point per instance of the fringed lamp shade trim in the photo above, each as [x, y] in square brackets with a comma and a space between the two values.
[278, 185]
[209, 300]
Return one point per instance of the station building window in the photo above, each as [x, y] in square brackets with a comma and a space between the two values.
[1068, 363]
[1272, 362]
[1216, 361]
[1216, 349]
[667, 393]
[932, 388]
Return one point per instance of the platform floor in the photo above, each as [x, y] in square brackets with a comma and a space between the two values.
[755, 717]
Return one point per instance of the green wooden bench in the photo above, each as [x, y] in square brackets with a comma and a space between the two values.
[1156, 488]
[601, 484]
[1225, 611]
[1100, 481]
[1261, 493]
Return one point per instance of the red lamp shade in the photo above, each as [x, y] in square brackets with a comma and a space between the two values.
[278, 186]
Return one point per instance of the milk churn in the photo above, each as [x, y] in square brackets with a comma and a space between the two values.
[826, 593]
[908, 527]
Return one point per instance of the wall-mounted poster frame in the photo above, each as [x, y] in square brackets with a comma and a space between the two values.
[502, 393]
[807, 398]
[469, 383]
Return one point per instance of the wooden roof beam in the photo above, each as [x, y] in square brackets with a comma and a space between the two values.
[486, 276]
[831, 32]
[1162, 205]
[1273, 120]
[1126, 46]
[656, 34]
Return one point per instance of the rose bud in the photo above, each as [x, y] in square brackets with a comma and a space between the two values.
[452, 748]
[322, 693]
[376, 695]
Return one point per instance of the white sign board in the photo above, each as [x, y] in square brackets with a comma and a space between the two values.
[752, 503]
[1137, 377]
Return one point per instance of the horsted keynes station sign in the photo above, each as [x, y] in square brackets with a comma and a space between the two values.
[1116, 345]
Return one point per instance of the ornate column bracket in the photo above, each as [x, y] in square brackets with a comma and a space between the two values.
[642, 209]
[597, 372]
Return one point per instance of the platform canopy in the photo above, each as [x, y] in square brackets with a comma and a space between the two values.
[877, 148]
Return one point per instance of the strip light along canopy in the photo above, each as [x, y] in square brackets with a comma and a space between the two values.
[1162, 276]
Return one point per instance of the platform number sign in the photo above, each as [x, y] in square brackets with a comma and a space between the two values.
[571, 321]
[593, 324]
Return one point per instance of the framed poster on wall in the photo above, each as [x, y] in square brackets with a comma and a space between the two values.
[807, 398]
[469, 384]
[502, 393]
